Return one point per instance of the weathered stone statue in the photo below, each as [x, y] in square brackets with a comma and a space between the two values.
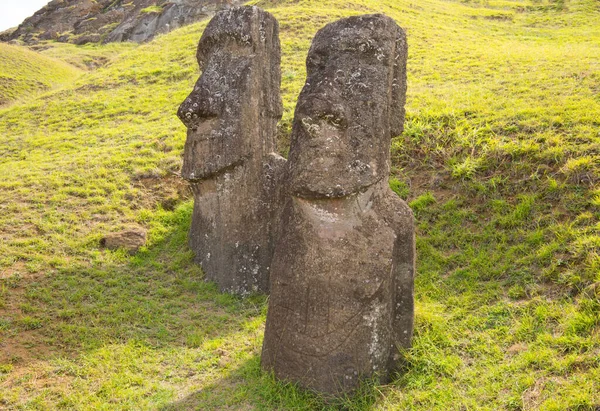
[341, 303]
[229, 158]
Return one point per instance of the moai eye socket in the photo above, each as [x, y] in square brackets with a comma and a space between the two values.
[335, 116]
[323, 105]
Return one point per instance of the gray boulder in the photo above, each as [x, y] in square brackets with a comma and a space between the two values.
[229, 154]
[341, 303]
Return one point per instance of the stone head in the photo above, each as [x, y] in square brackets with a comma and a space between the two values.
[350, 107]
[232, 112]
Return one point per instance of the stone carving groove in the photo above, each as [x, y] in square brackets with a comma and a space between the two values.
[341, 301]
[229, 155]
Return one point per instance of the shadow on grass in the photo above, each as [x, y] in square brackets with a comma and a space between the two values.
[247, 387]
[144, 328]
[157, 298]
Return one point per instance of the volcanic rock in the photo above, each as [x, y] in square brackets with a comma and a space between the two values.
[85, 21]
[341, 303]
[229, 155]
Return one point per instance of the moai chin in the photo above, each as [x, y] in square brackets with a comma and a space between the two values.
[341, 303]
[229, 156]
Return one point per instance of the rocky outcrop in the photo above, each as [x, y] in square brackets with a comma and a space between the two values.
[85, 21]
[341, 303]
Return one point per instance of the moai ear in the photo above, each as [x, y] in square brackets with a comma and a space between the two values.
[398, 95]
[269, 32]
[270, 98]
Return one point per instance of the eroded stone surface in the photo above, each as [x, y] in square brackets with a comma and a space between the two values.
[341, 301]
[229, 154]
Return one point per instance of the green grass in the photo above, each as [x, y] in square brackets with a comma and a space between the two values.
[499, 160]
[87, 56]
[24, 73]
[152, 9]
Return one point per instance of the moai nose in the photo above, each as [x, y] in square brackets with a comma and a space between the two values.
[200, 105]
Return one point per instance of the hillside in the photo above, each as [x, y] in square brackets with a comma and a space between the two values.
[85, 21]
[24, 73]
[500, 161]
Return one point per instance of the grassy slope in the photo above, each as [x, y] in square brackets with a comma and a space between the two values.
[499, 160]
[24, 73]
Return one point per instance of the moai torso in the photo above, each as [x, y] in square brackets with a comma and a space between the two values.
[229, 158]
[341, 301]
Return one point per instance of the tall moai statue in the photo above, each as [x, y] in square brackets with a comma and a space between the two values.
[229, 156]
[341, 303]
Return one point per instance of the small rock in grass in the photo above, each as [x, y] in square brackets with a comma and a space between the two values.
[130, 239]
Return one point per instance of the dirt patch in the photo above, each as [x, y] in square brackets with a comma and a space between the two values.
[18, 344]
[438, 183]
[166, 191]
[516, 349]
[532, 397]
[13, 272]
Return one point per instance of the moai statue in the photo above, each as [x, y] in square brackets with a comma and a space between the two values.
[229, 156]
[341, 303]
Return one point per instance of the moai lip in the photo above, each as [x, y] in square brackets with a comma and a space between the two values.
[341, 303]
[231, 116]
